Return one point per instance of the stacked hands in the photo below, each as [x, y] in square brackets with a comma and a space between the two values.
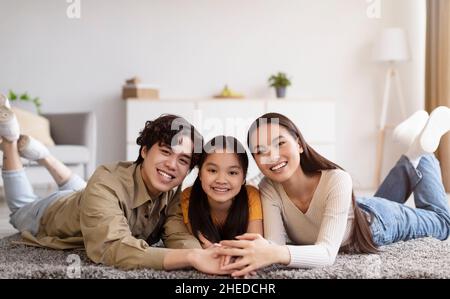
[239, 258]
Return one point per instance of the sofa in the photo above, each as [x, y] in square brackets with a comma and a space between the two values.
[75, 137]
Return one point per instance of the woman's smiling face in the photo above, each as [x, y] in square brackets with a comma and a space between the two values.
[276, 152]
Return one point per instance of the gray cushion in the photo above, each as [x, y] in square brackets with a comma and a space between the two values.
[71, 154]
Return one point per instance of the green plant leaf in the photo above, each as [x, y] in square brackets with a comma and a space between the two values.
[25, 97]
[12, 96]
[279, 80]
[37, 102]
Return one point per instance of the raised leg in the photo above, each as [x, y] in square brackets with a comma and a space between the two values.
[60, 172]
[430, 194]
[395, 221]
[18, 190]
[33, 150]
[400, 182]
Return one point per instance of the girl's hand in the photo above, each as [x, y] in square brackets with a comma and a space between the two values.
[204, 242]
[225, 260]
[253, 252]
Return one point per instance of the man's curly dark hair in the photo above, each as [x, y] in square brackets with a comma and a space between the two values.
[163, 130]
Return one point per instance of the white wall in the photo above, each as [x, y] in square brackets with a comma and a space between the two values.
[191, 48]
[412, 16]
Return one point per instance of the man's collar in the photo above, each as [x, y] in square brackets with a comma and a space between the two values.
[141, 193]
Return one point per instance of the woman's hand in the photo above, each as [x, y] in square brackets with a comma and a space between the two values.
[246, 276]
[227, 259]
[252, 252]
[207, 260]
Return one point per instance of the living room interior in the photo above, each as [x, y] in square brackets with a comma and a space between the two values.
[70, 60]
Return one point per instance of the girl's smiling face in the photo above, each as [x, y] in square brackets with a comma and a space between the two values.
[221, 176]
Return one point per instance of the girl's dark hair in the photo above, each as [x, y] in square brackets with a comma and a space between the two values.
[199, 210]
[311, 161]
[166, 130]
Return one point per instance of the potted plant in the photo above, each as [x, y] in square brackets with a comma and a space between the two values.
[280, 81]
[25, 101]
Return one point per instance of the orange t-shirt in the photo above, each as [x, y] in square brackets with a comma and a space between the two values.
[254, 204]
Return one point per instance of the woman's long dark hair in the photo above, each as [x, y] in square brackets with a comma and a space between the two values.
[311, 162]
[199, 213]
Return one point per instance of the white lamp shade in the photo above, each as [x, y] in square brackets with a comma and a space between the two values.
[392, 46]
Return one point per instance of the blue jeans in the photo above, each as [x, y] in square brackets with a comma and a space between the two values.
[393, 221]
[26, 207]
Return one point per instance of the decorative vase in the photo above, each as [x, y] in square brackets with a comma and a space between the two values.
[281, 92]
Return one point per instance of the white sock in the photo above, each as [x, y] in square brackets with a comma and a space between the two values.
[4, 101]
[9, 126]
[31, 149]
[415, 152]
[408, 130]
[438, 124]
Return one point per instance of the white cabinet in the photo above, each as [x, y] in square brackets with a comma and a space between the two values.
[315, 119]
[228, 117]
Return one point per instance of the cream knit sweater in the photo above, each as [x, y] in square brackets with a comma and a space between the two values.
[321, 231]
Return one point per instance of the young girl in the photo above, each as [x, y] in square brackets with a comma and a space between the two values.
[310, 199]
[220, 206]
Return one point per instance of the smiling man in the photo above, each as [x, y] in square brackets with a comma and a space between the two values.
[125, 206]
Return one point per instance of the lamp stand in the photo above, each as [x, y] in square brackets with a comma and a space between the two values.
[391, 74]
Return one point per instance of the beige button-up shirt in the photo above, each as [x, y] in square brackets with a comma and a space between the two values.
[116, 220]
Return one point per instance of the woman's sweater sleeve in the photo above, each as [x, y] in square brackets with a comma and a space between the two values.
[332, 229]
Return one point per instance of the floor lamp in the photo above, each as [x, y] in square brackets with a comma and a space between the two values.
[391, 48]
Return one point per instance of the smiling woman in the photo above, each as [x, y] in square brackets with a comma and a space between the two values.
[287, 161]
[309, 200]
